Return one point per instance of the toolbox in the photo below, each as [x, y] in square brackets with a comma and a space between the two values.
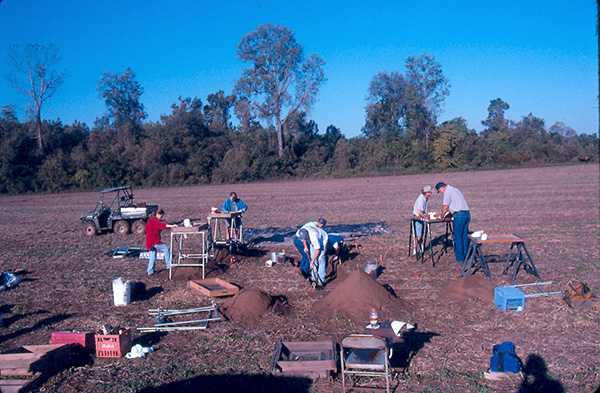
[85, 339]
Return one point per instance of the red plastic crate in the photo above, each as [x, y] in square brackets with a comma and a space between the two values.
[86, 339]
[113, 345]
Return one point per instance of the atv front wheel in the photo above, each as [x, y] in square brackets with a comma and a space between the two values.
[90, 229]
[121, 227]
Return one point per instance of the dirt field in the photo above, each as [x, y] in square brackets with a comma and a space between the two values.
[67, 285]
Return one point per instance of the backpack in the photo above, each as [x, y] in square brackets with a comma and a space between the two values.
[578, 296]
[505, 359]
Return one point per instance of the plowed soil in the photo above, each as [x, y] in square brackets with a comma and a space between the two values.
[67, 285]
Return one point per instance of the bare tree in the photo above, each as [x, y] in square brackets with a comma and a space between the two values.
[33, 73]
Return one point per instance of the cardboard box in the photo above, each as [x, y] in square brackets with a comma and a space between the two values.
[85, 339]
[213, 287]
[113, 345]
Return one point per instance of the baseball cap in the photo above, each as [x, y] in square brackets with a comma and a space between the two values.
[322, 221]
[302, 233]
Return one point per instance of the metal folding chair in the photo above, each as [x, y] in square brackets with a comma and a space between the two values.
[365, 355]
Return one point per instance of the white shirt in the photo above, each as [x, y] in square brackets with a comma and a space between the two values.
[422, 204]
[318, 238]
[455, 200]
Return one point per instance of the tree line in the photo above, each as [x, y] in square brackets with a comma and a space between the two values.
[273, 137]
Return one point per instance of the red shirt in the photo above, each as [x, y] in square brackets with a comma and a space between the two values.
[153, 228]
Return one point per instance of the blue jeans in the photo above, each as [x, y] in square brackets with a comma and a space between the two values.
[461, 231]
[154, 250]
[318, 271]
[418, 228]
[304, 264]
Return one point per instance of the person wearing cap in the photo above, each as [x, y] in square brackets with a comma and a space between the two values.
[420, 209]
[233, 204]
[456, 204]
[311, 241]
[320, 223]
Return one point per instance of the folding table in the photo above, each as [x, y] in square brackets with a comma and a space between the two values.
[427, 236]
[475, 259]
[217, 222]
[195, 239]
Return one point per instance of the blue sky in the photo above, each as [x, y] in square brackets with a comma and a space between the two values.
[540, 57]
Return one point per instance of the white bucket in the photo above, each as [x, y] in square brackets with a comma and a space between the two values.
[121, 292]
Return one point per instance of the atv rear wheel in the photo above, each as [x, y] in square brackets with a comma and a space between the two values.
[138, 227]
[121, 227]
[90, 229]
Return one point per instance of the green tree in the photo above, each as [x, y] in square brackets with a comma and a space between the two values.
[495, 121]
[386, 105]
[217, 111]
[33, 73]
[281, 81]
[8, 113]
[121, 94]
[426, 92]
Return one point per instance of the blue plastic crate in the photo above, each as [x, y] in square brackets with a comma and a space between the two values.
[509, 298]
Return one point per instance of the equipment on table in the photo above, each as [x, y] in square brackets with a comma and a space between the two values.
[365, 355]
[162, 323]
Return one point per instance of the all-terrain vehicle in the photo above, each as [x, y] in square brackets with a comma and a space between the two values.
[117, 211]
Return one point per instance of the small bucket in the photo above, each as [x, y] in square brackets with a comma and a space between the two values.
[278, 257]
[121, 292]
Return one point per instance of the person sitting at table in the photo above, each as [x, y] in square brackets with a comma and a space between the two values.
[420, 209]
[234, 205]
[456, 204]
[153, 240]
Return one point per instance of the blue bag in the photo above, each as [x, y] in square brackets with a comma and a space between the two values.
[505, 359]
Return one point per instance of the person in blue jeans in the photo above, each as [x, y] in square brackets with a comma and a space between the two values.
[456, 204]
[301, 243]
[313, 243]
[153, 240]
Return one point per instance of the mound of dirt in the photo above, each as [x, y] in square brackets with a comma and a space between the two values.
[247, 306]
[475, 286]
[354, 298]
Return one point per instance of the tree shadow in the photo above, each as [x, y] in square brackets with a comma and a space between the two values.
[412, 342]
[6, 322]
[43, 324]
[242, 383]
[536, 378]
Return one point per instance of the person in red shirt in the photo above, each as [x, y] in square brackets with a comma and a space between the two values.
[153, 241]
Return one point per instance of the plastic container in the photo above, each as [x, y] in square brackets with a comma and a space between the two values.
[509, 298]
[113, 345]
[373, 318]
[121, 292]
